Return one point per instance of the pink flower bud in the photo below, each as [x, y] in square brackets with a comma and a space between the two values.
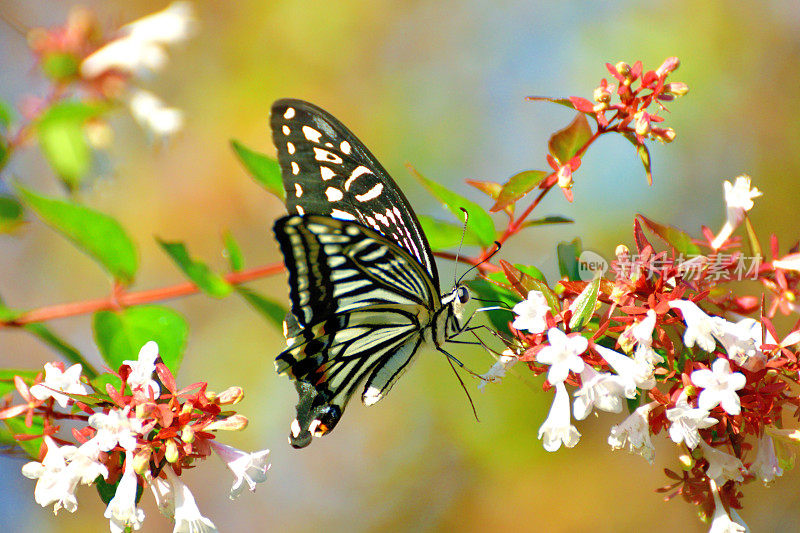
[565, 180]
[669, 64]
[231, 395]
[232, 423]
[642, 123]
[677, 88]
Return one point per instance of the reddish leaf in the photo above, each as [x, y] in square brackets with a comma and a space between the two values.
[639, 236]
[518, 186]
[675, 237]
[582, 104]
[566, 143]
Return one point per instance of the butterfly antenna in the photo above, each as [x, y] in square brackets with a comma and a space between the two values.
[497, 247]
[461, 244]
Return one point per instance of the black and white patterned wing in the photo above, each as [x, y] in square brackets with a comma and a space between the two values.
[361, 305]
[328, 171]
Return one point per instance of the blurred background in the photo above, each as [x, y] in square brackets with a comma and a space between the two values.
[440, 85]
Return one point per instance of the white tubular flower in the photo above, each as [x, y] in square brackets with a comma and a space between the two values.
[701, 329]
[719, 387]
[601, 390]
[742, 342]
[686, 422]
[721, 522]
[766, 466]
[122, 511]
[531, 313]
[57, 382]
[141, 376]
[172, 25]
[635, 432]
[153, 115]
[130, 56]
[83, 463]
[738, 200]
[184, 509]
[639, 333]
[722, 467]
[633, 374]
[55, 484]
[140, 49]
[116, 427]
[557, 429]
[563, 355]
[250, 468]
[788, 262]
[498, 370]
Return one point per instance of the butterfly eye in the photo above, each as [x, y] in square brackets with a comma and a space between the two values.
[463, 295]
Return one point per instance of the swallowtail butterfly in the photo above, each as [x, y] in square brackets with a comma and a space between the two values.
[363, 282]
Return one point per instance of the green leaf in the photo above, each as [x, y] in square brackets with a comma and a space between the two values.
[518, 186]
[100, 382]
[644, 155]
[675, 237]
[69, 352]
[60, 66]
[568, 264]
[272, 311]
[479, 220]
[265, 170]
[6, 114]
[7, 379]
[233, 252]
[201, 275]
[506, 297]
[17, 427]
[584, 305]
[555, 219]
[565, 144]
[752, 239]
[121, 334]
[97, 234]
[442, 235]
[62, 139]
[10, 212]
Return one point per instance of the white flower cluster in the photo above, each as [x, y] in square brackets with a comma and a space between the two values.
[139, 51]
[63, 468]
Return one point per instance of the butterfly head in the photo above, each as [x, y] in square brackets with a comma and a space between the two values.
[455, 302]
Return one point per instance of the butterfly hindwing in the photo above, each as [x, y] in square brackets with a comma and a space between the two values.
[327, 171]
[360, 304]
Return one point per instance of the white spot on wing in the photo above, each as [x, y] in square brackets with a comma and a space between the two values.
[285, 129]
[298, 190]
[295, 168]
[289, 114]
[371, 194]
[324, 155]
[290, 148]
[358, 171]
[345, 147]
[341, 215]
[326, 173]
[311, 134]
[333, 194]
[295, 423]
[300, 210]
[371, 396]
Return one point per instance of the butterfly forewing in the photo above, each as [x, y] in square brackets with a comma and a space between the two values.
[360, 304]
[327, 171]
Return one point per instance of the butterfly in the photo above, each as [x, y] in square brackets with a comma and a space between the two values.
[363, 283]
